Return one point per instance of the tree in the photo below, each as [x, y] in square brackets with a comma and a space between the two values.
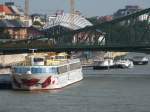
[37, 23]
[93, 20]
[4, 34]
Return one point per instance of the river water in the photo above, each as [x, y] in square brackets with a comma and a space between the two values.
[122, 90]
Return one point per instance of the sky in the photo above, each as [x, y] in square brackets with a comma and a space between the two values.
[88, 8]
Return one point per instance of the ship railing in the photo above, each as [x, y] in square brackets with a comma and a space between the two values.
[16, 64]
[74, 60]
[64, 62]
[23, 63]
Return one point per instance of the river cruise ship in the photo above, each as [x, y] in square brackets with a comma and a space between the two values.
[46, 72]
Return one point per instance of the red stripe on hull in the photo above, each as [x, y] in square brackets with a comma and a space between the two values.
[30, 82]
[47, 82]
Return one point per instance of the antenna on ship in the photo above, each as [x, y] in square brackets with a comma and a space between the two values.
[33, 50]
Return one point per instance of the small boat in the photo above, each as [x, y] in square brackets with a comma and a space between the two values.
[140, 60]
[46, 72]
[124, 63]
[107, 63]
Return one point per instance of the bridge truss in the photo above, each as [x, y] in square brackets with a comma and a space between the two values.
[126, 33]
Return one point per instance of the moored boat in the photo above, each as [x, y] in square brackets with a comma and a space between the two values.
[46, 72]
[140, 60]
[124, 63]
[107, 63]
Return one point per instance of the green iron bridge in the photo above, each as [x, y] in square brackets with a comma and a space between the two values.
[126, 33]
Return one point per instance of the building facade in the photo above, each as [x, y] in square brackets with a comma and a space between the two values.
[9, 11]
[16, 29]
[129, 9]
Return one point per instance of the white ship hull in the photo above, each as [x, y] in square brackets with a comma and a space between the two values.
[45, 81]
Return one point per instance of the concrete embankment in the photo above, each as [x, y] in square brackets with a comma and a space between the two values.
[6, 60]
[5, 81]
[5, 72]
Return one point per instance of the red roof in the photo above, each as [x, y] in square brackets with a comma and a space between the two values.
[5, 9]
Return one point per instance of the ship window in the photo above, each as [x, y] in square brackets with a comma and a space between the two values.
[60, 57]
[62, 69]
[35, 70]
[75, 66]
[53, 70]
[21, 70]
[17, 70]
[38, 59]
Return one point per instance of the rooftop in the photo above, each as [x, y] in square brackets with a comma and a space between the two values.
[11, 24]
[5, 9]
[69, 21]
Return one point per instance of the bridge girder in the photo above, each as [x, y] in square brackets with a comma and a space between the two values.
[118, 34]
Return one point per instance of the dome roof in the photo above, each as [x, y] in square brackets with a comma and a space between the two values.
[69, 21]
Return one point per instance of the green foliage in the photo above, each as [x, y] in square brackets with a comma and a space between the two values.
[93, 20]
[37, 23]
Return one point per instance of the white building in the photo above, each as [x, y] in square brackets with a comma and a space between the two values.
[144, 17]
